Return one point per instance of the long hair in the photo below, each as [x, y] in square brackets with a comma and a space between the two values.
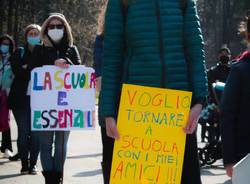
[67, 37]
[12, 42]
[101, 19]
[29, 28]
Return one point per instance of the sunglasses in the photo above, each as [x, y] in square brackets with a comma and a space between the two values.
[55, 26]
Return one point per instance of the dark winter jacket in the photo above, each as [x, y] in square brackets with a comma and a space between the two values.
[164, 48]
[18, 98]
[45, 55]
[219, 73]
[98, 59]
[98, 54]
[235, 120]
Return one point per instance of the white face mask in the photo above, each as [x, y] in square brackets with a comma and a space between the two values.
[56, 34]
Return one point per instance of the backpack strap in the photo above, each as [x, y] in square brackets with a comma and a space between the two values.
[183, 5]
[124, 8]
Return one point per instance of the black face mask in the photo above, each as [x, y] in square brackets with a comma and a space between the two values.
[224, 59]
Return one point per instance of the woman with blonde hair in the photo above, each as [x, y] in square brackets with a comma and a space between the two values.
[57, 49]
[7, 46]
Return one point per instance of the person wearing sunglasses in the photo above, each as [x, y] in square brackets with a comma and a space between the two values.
[57, 49]
[7, 46]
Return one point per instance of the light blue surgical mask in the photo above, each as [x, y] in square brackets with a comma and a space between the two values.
[33, 40]
[4, 48]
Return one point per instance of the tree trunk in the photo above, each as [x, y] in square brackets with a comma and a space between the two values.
[10, 17]
[1, 16]
[226, 16]
[16, 22]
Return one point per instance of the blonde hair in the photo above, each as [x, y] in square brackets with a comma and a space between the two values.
[68, 32]
[29, 28]
[101, 19]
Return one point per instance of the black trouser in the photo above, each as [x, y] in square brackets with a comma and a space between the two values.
[191, 167]
[6, 141]
[107, 153]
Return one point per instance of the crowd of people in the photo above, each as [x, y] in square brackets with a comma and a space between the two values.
[143, 46]
[50, 44]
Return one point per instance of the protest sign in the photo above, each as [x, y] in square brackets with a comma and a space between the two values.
[62, 99]
[241, 171]
[152, 140]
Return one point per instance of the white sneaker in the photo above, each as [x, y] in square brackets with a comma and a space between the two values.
[7, 154]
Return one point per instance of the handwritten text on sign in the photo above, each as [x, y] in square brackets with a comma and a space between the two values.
[62, 99]
[152, 140]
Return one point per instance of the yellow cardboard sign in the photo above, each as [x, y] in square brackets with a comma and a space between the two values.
[152, 141]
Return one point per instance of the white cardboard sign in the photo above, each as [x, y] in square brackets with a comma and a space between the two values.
[62, 99]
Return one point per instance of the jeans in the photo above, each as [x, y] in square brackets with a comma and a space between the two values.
[56, 161]
[28, 143]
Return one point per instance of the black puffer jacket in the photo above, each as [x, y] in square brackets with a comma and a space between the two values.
[46, 55]
[19, 61]
[235, 124]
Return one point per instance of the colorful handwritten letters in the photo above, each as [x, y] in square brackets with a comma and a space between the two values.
[152, 140]
[62, 99]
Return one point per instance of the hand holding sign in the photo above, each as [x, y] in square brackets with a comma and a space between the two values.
[193, 119]
[151, 141]
[62, 99]
[111, 128]
[62, 63]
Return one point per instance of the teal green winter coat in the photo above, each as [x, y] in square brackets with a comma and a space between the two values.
[157, 36]
[6, 75]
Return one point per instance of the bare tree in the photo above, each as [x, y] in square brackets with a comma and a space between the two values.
[10, 17]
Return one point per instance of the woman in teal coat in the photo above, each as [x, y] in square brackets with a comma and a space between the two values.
[155, 43]
[7, 46]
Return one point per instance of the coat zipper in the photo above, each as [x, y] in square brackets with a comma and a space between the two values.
[162, 56]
